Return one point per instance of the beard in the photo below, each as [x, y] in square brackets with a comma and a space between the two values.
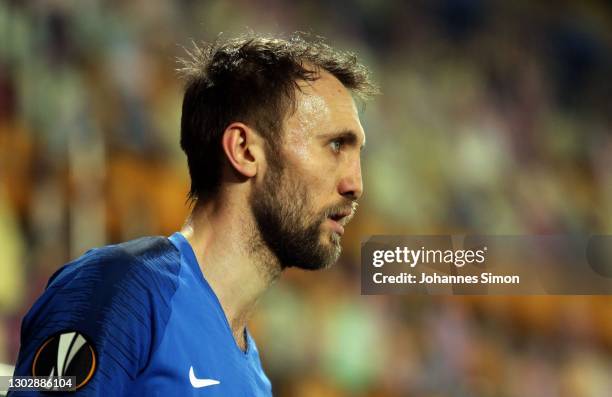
[280, 207]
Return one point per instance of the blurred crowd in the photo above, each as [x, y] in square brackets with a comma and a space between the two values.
[495, 118]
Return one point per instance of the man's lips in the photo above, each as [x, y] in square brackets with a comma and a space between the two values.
[338, 228]
[340, 218]
[343, 216]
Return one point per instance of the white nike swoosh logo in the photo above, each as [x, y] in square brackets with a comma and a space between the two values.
[197, 383]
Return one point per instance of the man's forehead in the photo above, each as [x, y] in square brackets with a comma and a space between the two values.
[326, 86]
[324, 106]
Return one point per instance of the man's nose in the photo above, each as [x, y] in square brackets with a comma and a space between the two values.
[351, 185]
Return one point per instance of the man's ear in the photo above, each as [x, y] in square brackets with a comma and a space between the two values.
[243, 149]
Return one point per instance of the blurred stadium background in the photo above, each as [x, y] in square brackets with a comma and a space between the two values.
[496, 118]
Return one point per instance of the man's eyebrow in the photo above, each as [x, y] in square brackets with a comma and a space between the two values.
[349, 136]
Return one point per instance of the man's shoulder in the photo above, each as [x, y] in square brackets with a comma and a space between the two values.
[116, 298]
[141, 259]
[108, 287]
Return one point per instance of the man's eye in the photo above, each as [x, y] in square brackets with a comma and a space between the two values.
[336, 144]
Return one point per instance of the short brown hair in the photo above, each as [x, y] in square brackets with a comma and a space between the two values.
[251, 79]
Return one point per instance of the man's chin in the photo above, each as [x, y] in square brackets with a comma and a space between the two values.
[335, 238]
[327, 255]
[332, 249]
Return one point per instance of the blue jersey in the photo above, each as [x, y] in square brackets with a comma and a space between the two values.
[137, 319]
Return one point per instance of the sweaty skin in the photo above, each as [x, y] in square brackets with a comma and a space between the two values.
[314, 112]
[324, 107]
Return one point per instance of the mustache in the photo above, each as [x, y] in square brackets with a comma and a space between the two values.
[346, 209]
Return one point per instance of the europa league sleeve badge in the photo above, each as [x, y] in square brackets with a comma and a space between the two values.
[68, 353]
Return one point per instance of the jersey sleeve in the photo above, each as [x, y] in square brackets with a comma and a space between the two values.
[99, 320]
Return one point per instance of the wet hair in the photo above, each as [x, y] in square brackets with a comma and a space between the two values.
[252, 79]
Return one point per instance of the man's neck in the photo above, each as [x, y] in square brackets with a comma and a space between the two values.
[234, 261]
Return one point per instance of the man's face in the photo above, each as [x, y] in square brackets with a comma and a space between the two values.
[310, 193]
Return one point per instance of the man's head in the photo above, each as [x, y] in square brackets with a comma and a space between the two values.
[277, 117]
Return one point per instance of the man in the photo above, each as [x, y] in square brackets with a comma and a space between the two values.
[273, 141]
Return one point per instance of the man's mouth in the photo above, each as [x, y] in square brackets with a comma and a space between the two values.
[340, 218]
[336, 226]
